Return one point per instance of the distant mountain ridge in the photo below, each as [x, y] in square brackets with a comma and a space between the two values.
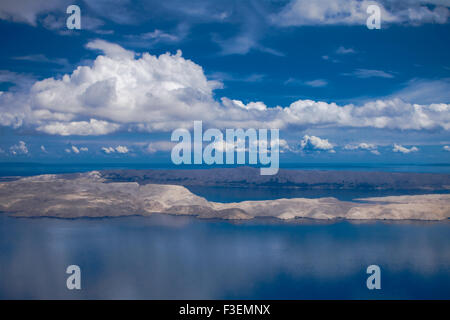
[286, 178]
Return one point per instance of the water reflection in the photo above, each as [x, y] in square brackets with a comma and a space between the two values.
[165, 257]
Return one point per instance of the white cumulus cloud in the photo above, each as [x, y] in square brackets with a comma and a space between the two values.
[108, 150]
[75, 150]
[126, 91]
[313, 143]
[250, 106]
[20, 148]
[362, 146]
[121, 89]
[118, 149]
[122, 149]
[402, 149]
[372, 148]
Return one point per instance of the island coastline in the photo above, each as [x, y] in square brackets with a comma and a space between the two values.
[96, 194]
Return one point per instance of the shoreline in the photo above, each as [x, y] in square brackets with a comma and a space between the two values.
[258, 220]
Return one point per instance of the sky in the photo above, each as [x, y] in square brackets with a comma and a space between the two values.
[115, 90]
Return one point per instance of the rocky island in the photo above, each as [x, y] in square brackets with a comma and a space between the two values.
[109, 194]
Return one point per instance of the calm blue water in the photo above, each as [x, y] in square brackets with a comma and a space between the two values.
[227, 194]
[165, 257]
[237, 194]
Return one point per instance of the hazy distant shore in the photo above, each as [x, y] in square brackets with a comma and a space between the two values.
[131, 192]
[286, 178]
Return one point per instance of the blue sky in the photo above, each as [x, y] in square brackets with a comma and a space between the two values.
[338, 91]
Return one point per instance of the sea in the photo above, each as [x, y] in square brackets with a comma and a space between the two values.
[182, 257]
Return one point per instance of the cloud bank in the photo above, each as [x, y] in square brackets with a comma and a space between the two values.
[123, 90]
[353, 12]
